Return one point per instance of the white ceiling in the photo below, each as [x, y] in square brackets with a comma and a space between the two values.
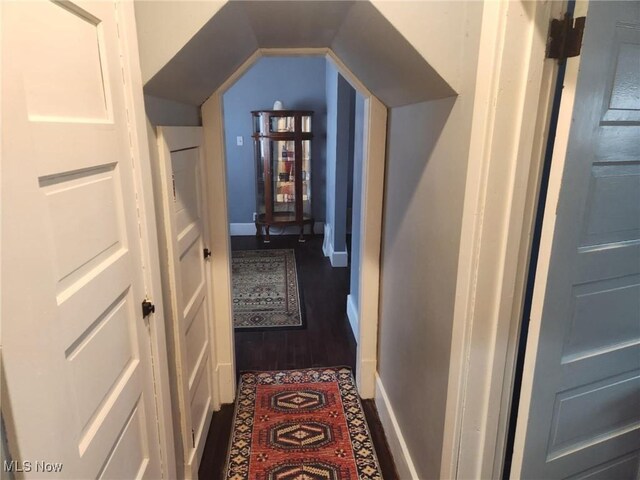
[356, 31]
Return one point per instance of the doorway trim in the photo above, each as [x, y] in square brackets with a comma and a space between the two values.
[141, 157]
[511, 116]
[374, 152]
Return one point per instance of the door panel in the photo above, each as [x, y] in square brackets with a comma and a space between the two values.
[76, 349]
[196, 342]
[583, 416]
[126, 461]
[72, 87]
[181, 167]
[192, 276]
[623, 467]
[201, 403]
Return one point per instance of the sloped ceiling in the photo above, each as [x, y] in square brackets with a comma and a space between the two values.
[356, 31]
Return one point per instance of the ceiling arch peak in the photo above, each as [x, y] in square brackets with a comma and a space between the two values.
[355, 33]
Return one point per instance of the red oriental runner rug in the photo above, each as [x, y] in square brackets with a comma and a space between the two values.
[300, 425]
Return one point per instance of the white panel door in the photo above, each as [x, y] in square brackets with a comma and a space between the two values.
[76, 349]
[187, 283]
[580, 409]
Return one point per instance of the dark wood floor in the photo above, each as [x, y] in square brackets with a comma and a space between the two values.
[326, 341]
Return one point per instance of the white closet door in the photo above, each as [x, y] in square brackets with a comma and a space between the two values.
[188, 289]
[76, 349]
[580, 409]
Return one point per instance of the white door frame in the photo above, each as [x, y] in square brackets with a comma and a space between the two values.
[514, 92]
[148, 229]
[375, 132]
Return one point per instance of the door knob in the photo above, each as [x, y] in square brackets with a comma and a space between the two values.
[147, 308]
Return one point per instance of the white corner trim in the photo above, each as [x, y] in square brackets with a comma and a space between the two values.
[327, 246]
[352, 315]
[397, 444]
[366, 375]
[249, 229]
[226, 385]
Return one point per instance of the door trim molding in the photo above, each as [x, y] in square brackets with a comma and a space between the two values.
[220, 264]
[509, 130]
[148, 229]
[371, 227]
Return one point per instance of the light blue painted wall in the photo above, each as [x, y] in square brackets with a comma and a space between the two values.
[358, 139]
[299, 82]
[331, 84]
[340, 101]
[352, 115]
[344, 152]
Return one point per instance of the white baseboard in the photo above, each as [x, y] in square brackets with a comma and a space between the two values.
[249, 229]
[242, 229]
[397, 444]
[338, 259]
[352, 315]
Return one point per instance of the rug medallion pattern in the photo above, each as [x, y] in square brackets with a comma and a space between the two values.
[300, 425]
[266, 293]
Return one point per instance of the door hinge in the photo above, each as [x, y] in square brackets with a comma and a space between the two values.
[193, 438]
[565, 37]
[147, 308]
[207, 253]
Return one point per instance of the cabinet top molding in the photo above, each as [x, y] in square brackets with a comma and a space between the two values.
[282, 113]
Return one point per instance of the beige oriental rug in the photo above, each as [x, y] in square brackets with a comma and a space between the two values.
[266, 291]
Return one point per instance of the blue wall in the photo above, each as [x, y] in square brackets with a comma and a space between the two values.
[299, 82]
[331, 96]
[340, 107]
[358, 139]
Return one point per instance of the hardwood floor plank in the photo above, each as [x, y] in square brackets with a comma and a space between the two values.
[326, 341]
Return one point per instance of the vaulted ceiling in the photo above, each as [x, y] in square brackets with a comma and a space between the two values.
[229, 33]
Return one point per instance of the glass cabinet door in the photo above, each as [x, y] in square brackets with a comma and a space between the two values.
[262, 145]
[306, 123]
[306, 178]
[283, 170]
[281, 124]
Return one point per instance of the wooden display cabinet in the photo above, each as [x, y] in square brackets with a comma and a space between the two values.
[282, 140]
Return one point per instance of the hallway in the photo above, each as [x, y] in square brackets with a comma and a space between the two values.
[327, 340]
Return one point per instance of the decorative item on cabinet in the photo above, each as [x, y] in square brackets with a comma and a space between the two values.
[282, 140]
